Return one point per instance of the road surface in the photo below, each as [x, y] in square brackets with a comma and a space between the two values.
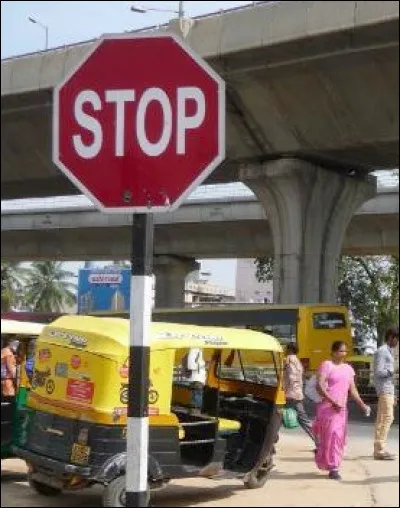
[294, 482]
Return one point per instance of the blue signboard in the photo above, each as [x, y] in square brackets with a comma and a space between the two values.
[103, 289]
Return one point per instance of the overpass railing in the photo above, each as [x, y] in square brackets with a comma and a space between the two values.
[386, 180]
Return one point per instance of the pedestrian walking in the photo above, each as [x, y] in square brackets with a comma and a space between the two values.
[384, 370]
[335, 381]
[8, 367]
[293, 386]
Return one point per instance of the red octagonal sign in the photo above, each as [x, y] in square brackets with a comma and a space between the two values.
[139, 123]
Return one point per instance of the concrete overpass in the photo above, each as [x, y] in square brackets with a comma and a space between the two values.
[312, 107]
[213, 228]
[305, 79]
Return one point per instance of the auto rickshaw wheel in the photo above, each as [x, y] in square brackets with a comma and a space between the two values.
[42, 488]
[115, 493]
[257, 479]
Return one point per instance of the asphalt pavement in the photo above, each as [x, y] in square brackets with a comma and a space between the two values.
[294, 482]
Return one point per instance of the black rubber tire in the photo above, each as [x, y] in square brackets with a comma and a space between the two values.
[42, 488]
[114, 492]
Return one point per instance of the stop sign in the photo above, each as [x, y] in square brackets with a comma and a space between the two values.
[139, 123]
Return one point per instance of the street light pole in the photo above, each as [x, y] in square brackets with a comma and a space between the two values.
[184, 24]
[45, 28]
[143, 10]
[181, 12]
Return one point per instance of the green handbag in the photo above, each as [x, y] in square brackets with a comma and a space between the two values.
[289, 418]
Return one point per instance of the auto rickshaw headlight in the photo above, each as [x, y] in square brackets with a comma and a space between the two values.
[83, 436]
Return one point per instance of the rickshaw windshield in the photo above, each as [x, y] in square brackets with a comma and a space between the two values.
[258, 367]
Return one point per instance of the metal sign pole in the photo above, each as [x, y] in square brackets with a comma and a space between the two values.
[139, 360]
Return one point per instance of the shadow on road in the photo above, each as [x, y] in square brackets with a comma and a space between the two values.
[18, 493]
[12, 476]
[369, 458]
[373, 481]
[296, 459]
[280, 475]
[178, 495]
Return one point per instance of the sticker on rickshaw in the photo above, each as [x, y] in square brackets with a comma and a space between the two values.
[80, 391]
[119, 411]
[75, 362]
[215, 342]
[50, 386]
[61, 369]
[74, 340]
[44, 355]
[124, 393]
[40, 377]
[124, 369]
[154, 411]
[153, 394]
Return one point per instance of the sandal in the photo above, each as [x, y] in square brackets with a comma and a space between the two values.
[384, 456]
[334, 475]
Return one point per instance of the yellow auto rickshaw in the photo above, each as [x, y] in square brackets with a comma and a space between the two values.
[75, 431]
[22, 335]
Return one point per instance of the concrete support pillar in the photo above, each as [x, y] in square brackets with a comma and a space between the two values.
[309, 209]
[171, 273]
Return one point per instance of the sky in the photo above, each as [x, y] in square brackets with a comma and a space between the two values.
[74, 21]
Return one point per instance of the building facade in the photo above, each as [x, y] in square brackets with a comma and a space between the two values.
[108, 289]
[248, 289]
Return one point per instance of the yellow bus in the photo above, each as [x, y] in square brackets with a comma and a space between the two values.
[313, 327]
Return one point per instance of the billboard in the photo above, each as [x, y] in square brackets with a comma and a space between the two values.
[103, 289]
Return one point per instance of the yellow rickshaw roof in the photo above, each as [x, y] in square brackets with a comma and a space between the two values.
[100, 335]
[12, 327]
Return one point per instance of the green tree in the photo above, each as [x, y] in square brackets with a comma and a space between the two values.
[49, 287]
[13, 276]
[368, 286]
[264, 269]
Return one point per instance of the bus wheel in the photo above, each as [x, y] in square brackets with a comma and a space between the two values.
[257, 479]
[42, 488]
[115, 493]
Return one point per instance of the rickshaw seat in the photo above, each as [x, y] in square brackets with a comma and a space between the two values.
[225, 426]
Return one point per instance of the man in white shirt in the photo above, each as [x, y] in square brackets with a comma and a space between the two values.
[384, 375]
[196, 373]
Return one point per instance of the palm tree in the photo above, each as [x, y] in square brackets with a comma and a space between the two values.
[13, 276]
[49, 287]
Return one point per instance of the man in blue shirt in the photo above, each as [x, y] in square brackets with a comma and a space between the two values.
[384, 371]
[30, 360]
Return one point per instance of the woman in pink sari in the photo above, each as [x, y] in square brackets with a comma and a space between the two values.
[335, 380]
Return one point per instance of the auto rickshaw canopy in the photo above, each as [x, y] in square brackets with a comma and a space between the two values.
[110, 336]
[13, 327]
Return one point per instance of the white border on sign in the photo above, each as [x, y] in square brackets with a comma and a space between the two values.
[205, 173]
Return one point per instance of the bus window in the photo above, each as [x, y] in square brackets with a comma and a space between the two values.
[257, 367]
[329, 320]
[285, 333]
